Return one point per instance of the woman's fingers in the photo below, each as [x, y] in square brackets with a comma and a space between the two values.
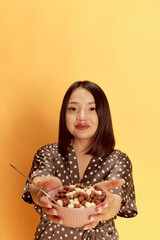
[101, 212]
[44, 201]
[108, 203]
[49, 182]
[55, 219]
[95, 217]
[104, 207]
[94, 220]
[90, 225]
[108, 185]
[50, 211]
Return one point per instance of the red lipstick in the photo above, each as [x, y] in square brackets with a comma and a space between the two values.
[81, 126]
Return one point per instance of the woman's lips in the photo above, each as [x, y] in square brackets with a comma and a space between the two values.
[82, 126]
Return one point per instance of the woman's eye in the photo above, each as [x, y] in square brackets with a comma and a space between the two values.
[93, 109]
[72, 109]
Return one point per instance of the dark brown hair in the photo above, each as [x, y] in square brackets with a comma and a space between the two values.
[103, 140]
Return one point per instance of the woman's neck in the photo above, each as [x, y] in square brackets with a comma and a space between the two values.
[80, 146]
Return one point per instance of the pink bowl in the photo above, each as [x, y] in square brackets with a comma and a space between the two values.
[74, 217]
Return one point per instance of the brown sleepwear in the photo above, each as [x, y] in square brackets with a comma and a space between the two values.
[49, 162]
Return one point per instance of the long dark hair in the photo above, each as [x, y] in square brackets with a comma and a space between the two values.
[103, 140]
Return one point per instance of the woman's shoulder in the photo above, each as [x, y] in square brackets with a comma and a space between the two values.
[49, 147]
[118, 158]
[118, 154]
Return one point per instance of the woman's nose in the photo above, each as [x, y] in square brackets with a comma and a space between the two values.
[81, 116]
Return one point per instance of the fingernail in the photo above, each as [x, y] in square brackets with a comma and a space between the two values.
[54, 212]
[49, 206]
[85, 228]
[38, 180]
[99, 210]
[60, 222]
[91, 218]
[106, 205]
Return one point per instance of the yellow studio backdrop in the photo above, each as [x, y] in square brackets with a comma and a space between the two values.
[47, 45]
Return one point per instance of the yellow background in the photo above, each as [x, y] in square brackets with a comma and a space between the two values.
[47, 45]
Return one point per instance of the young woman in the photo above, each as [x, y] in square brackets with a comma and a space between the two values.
[84, 153]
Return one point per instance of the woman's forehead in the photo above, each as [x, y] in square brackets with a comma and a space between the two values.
[81, 94]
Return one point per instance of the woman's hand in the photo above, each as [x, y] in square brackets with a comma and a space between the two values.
[47, 183]
[110, 207]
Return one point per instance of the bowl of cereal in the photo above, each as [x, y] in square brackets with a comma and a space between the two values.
[75, 203]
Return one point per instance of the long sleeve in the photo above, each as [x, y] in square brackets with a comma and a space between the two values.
[43, 165]
[122, 168]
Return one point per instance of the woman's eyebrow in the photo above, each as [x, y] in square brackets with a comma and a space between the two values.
[73, 102]
[91, 103]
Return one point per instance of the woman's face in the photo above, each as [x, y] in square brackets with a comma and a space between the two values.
[81, 115]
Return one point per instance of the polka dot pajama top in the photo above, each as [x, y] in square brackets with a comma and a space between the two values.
[49, 162]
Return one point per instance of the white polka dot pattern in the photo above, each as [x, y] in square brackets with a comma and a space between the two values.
[48, 161]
